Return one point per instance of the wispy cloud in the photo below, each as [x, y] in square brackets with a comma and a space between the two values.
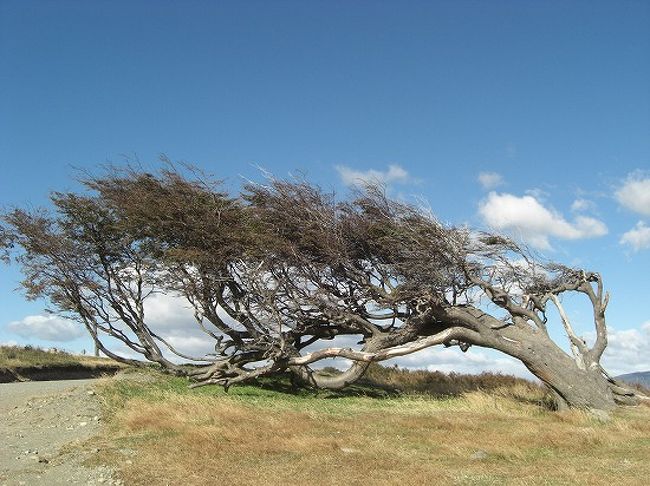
[582, 204]
[638, 237]
[634, 194]
[527, 218]
[47, 328]
[627, 349]
[490, 180]
[353, 177]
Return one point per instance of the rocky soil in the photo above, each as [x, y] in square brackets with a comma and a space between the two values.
[42, 428]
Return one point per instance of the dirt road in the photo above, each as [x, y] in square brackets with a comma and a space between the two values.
[41, 425]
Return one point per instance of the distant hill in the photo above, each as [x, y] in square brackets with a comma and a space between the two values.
[639, 378]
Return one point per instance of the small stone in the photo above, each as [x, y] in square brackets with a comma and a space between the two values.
[479, 456]
[348, 450]
[90, 392]
[83, 424]
[96, 418]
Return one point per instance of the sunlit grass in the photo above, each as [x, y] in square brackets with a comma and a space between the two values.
[30, 356]
[271, 435]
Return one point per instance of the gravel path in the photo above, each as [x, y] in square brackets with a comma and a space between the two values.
[41, 423]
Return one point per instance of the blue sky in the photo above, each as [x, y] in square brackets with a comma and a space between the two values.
[530, 117]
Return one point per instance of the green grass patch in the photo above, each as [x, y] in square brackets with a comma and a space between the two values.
[278, 394]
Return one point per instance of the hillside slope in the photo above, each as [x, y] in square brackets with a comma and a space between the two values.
[638, 378]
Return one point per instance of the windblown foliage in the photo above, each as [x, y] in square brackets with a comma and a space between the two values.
[285, 265]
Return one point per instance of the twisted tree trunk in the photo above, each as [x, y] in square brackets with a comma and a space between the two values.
[576, 381]
[573, 386]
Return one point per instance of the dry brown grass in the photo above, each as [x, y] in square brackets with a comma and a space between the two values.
[261, 437]
[437, 383]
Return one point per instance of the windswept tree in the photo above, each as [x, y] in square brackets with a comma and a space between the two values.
[275, 273]
[90, 270]
[5, 244]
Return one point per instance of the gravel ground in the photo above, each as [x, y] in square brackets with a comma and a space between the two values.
[42, 425]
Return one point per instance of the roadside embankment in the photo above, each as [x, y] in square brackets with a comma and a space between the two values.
[56, 372]
[28, 363]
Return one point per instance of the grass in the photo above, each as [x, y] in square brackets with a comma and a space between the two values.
[24, 356]
[438, 384]
[29, 362]
[161, 432]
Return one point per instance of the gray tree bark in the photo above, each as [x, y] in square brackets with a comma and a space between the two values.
[575, 381]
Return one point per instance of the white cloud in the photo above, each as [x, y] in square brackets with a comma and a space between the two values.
[627, 350]
[540, 194]
[585, 227]
[581, 204]
[527, 218]
[638, 237]
[634, 194]
[353, 177]
[196, 346]
[171, 317]
[47, 328]
[475, 360]
[490, 180]
[168, 313]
